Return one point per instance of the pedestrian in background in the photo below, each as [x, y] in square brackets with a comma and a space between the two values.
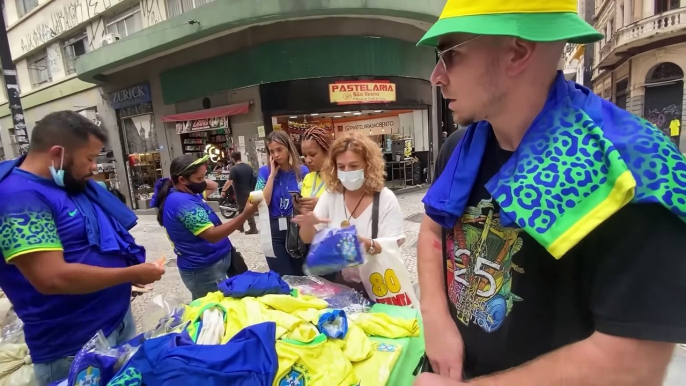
[316, 144]
[241, 177]
[277, 181]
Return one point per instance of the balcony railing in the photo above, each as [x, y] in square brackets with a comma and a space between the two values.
[608, 48]
[662, 23]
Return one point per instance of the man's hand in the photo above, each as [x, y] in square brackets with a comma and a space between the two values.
[444, 346]
[146, 273]
[427, 379]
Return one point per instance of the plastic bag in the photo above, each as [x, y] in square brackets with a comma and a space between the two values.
[160, 307]
[13, 332]
[386, 279]
[15, 365]
[336, 295]
[334, 249]
[97, 363]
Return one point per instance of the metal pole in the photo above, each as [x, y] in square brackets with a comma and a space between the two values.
[9, 72]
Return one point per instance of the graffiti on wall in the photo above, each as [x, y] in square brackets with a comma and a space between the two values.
[152, 13]
[668, 120]
[68, 15]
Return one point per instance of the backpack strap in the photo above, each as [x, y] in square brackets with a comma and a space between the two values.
[375, 215]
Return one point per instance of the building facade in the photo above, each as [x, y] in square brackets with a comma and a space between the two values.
[641, 62]
[173, 77]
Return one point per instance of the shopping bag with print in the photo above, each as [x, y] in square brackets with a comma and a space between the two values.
[385, 277]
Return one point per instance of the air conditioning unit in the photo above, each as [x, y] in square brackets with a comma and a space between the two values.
[109, 39]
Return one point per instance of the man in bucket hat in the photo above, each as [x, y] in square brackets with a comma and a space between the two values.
[552, 249]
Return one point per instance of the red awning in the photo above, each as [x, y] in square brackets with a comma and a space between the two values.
[217, 112]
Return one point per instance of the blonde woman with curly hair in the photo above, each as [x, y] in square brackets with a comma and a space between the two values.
[353, 175]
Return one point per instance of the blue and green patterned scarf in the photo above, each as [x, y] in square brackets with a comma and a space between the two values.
[581, 160]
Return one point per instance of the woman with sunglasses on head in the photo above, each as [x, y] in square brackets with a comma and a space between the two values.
[354, 175]
[279, 182]
[199, 238]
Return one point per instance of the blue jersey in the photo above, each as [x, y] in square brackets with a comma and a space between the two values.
[37, 215]
[185, 217]
[281, 203]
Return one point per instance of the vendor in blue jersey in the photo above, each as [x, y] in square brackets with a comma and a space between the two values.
[283, 176]
[68, 259]
[199, 238]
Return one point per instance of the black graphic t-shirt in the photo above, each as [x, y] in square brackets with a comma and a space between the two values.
[513, 301]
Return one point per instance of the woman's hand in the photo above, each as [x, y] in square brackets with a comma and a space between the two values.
[307, 204]
[273, 167]
[367, 243]
[309, 219]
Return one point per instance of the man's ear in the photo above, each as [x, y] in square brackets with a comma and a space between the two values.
[520, 54]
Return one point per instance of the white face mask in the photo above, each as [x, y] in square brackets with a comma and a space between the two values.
[352, 180]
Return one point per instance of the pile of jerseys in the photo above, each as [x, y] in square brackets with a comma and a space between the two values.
[273, 339]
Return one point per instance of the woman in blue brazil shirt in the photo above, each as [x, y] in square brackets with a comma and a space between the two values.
[284, 174]
[199, 238]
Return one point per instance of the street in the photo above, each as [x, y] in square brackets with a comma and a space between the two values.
[151, 235]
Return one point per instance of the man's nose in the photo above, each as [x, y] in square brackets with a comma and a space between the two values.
[439, 77]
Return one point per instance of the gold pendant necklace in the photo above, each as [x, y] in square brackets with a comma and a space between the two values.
[346, 223]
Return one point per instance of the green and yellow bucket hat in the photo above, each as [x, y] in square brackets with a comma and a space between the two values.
[533, 20]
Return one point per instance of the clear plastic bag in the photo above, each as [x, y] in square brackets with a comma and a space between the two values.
[13, 331]
[337, 295]
[97, 363]
[160, 307]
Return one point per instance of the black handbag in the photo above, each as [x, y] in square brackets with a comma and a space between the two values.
[294, 244]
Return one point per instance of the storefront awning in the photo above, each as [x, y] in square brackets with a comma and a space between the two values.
[217, 112]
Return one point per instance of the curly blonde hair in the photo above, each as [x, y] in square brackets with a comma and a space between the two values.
[374, 169]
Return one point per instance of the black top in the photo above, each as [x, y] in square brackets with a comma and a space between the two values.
[241, 175]
[513, 301]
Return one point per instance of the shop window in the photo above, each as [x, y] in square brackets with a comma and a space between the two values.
[177, 7]
[144, 162]
[126, 23]
[73, 48]
[666, 5]
[24, 6]
[38, 69]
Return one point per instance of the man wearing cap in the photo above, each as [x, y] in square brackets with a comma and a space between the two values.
[557, 224]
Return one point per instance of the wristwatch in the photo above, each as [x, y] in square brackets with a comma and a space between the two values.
[371, 249]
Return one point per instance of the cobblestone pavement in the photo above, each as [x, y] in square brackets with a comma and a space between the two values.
[152, 236]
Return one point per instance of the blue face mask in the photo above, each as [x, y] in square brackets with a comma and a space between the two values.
[58, 175]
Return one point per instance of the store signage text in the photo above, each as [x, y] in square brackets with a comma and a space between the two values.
[378, 126]
[202, 125]
[131, 96]
[362, 92]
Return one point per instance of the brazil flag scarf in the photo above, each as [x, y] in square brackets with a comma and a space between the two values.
[581, 161]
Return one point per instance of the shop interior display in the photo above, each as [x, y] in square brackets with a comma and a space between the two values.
[197, 142]
[145, 169]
